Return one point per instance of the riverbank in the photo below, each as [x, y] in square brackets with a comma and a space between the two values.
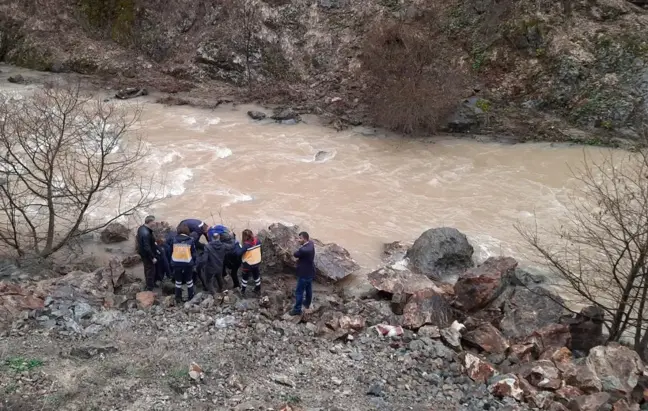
[87, 340]
[526, 69]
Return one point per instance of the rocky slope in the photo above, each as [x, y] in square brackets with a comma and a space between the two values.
[541, 68]
[494, 340]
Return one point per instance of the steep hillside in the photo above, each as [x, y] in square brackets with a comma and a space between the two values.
[536, 67]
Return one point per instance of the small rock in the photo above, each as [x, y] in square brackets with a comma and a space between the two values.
[145, 299]
[592, 402]
[195, 372]
[451, 337]
[82, 310]
[17, 79]
[256, 115]
[375, 390]
[356, 356]
[336, 381]
[507, 385]
[283, 380]
[430, 331]
[89, 351]
[477, 369]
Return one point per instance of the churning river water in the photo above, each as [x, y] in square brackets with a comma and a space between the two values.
[368, 187]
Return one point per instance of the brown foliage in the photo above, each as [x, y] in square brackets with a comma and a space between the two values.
[414, 84]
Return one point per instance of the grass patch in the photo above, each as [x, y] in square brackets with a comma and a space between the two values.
[20, 364]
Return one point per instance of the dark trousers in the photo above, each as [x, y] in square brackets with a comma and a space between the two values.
[211, 277]
[183, 275]
[233, 263]
[304, 286]
[256, 275]
[162, 267]
[149, 273]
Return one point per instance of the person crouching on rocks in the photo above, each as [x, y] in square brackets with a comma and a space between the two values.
[305, 256]
[183, 260]
[250, 253]
[213, 260]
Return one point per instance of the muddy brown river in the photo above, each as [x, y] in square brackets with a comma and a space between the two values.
[365, 188]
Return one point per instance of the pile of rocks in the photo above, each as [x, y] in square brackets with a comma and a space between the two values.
[437, 328]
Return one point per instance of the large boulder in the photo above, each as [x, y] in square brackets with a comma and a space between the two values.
[526, 310]
[427, 307]
[441, 253]
[115, 233]
[333, 262]
[479, 286]
[279, 242]
[487, 338]
[617, 367]
[397, 278]
[95, 287]
[586, 328]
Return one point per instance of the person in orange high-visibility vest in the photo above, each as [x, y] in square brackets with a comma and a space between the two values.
[183, 260]
[250, 252]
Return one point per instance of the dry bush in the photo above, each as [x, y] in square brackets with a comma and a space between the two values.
[602, 259]
[414, 84]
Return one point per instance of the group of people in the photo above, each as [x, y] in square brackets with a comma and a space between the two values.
[185, 259]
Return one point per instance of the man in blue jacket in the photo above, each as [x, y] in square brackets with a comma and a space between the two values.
[198, 228]
[305, 256]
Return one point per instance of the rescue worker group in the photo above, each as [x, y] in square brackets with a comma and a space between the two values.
[182, 257]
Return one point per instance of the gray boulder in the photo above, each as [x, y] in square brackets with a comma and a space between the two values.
[526, 310]
[441, 254]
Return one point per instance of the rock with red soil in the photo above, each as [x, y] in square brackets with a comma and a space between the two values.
[115, 233]
[566, 393]
[397, 278]
[507, 385]
[541, 400]
[551, 336]
[617, 367]
[522, 353]
[479, 286]
[145, 299]
[427, 307]
[441, 254]
[581, 377]
[528, 309]
[14, 299]
[352, 323]
[487, 338]
[544, 374]
[477, 369]
[558, 355]
[624, 405]
[591, 402]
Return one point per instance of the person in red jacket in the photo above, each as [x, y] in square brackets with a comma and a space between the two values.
[250, 253]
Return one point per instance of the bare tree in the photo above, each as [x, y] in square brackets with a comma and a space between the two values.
[603, 253]
[65, 157]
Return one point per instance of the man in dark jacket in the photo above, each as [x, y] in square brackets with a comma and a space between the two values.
[232, 260]
[213, 260]
[198, 228]
[147, 249]
[305, 256]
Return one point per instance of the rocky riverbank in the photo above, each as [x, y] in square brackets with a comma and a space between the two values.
[436, 332]
[529, 66]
